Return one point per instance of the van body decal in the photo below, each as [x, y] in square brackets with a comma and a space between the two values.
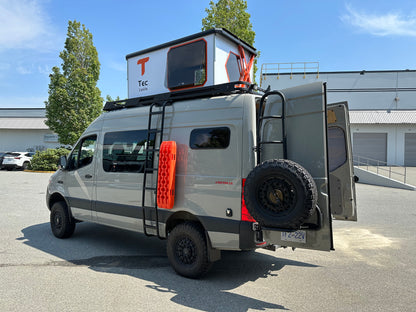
[211, 224]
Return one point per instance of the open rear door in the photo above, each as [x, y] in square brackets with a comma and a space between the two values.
[341, 169]
[305, 125]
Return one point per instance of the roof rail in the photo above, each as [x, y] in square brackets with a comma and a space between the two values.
[215, 90]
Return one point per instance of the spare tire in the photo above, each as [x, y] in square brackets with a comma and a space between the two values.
[280, 193]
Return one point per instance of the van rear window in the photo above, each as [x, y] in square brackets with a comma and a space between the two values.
[124, 151]
[337, 149]
[209, 138]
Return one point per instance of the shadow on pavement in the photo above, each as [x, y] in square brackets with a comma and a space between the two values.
[109, 250]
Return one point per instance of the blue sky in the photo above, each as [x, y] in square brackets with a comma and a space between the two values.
[340, 35]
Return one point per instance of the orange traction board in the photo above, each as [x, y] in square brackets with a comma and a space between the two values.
[166, 175]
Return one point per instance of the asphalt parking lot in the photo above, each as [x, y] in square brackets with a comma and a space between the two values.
[105, 269]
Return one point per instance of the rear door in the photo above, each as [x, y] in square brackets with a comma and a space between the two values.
[306, 136]
[341, 169]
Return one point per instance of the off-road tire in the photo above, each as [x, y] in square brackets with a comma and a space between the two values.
[187, 250]
[280, 193]
[62, 225]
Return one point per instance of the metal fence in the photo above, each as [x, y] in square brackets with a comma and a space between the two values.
[379, 167]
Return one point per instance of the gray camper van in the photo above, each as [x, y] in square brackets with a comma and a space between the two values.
[211, 168]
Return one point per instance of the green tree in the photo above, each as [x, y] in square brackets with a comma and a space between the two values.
[110, 99]
[232, 15]
[74, 100]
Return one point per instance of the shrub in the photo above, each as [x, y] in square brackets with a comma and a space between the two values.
[47, 160]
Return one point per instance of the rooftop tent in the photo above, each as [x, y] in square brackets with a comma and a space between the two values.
[207, 58]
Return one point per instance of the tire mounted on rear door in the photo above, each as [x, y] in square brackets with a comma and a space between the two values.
[280, 193]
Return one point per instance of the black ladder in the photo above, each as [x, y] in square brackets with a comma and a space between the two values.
[260, 119]
[150, 213]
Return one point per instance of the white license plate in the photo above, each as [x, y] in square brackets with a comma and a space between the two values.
[297, 237]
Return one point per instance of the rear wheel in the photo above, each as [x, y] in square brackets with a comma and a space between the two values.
[280, 193]
[187, 250]
[25, 165]
[62, 224]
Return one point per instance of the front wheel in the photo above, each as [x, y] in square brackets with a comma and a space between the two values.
[187, 250]
[62, 225]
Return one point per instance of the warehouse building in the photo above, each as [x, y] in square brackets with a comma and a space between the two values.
[24, 129]
[382, 107]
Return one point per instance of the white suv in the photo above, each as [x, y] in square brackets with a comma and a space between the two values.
[16, 160]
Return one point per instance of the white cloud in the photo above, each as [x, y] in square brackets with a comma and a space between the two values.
[25, 25]
[45, 69]
[389, 24]
[24, 70]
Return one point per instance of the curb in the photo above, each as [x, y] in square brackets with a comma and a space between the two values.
[36, 171]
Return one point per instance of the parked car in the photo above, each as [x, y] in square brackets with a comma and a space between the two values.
[17, 160]
[1, 159]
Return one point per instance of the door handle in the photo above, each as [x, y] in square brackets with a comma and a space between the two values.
[88, 176]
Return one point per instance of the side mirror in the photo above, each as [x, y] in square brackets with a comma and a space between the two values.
[62, 162]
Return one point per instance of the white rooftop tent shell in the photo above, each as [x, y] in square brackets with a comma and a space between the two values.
[207, 58]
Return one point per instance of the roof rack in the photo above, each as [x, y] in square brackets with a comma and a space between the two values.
[215, 90]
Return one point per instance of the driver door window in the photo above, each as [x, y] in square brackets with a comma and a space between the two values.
[83, 153]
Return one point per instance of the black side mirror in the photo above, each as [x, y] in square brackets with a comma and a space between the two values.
[62, 162]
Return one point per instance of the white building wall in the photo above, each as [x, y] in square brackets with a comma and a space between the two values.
[363, 90]
[22, 140]
[375, 90]
[395, 139]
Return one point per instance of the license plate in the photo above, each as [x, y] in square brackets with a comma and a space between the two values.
[297, 237]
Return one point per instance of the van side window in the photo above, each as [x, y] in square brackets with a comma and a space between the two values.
[209, 138]
[337, 149]
[124, 151]
[233, 67]
[83, 153]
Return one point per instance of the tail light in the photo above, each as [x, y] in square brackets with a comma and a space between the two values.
[17, 157]
[245, 215]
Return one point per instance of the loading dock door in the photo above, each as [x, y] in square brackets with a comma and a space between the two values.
[371, 146]
[410, 149]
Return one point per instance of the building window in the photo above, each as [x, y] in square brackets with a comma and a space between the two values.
[187, 65]
[209, 138]
[50, 138]
[125, 151]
